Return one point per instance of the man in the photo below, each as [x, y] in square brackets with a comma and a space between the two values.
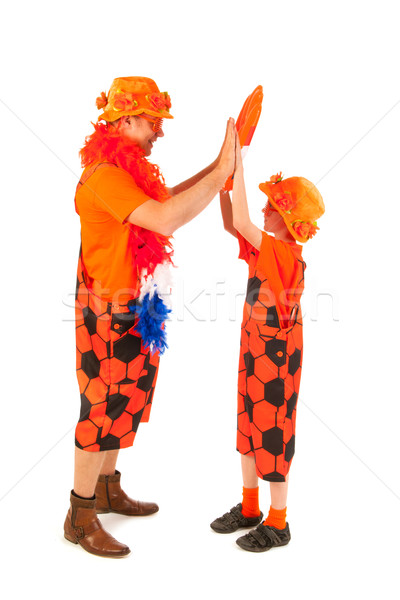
[127, 215]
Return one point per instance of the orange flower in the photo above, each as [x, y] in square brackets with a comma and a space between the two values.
[313, 229]
[305, 229]
[285, 201]
[167, 101]
[276, 178]
[124, 101]
[159, 102]
[101, 101]
[119, 101]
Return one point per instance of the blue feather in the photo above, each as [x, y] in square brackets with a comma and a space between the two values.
[152, 314]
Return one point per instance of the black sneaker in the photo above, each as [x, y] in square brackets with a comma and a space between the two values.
[263, 538]
[234, 520]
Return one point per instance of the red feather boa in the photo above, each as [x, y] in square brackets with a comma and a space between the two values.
[106, 145]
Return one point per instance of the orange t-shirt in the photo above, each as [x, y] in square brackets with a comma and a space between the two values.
[103, 203]
[282, 264]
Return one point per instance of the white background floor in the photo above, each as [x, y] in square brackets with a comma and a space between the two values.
[332, 114]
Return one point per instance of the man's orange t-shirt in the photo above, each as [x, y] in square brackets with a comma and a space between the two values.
[282, 263]
[103, 203]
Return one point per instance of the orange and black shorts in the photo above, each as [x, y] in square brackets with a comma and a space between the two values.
[268, 386]
[116, 375]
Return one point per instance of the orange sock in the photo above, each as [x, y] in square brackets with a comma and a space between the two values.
[276, 518]
[250, 506]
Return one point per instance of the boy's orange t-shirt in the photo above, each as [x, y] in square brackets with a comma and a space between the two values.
[103, 203]
[282, 264]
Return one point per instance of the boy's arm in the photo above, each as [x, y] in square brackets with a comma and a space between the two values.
[226, 212]
[241, 217]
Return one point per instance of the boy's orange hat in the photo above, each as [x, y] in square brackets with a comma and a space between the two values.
[298, 202]
[133, 96]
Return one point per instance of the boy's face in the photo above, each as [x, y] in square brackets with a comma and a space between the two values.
[272, 219]
[274, 223]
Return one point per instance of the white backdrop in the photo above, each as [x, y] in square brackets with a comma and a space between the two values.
[331, 113]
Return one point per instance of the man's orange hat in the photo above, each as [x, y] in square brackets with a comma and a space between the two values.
[298, 202]
[133, 96]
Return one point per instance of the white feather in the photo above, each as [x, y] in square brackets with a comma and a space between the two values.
[161, 280]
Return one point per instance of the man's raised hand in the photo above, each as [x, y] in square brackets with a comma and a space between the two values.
[226, 158]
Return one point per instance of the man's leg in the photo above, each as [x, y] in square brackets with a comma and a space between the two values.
[109, 463]
[110, 497]
[87, 470]
[81, 524]
[88, 467]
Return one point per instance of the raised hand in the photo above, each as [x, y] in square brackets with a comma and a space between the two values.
[238, 154]
[226, 158]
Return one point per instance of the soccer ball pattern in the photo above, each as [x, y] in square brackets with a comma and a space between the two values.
[116, 375]
[269, 380]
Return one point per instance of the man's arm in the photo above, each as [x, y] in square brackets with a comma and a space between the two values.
[226, 212]
[165, 218]
[188, 183]
[185, 185]
[240, 209]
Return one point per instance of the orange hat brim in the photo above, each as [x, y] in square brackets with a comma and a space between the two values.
[113, 115]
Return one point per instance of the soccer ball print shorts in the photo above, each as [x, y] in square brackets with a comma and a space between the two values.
[116, 375]
[268, 386]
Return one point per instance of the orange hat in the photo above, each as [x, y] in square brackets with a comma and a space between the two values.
[298, 202]
[133, 96]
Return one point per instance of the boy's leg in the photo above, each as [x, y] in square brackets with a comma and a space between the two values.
[246, 514]
[274, 531]
[279, 493]
[277, 512]
[249, 474]
[250, 504]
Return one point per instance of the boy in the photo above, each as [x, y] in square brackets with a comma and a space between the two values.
[270, 349]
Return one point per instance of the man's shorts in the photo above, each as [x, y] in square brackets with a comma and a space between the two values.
[116, 375]
[268, 387]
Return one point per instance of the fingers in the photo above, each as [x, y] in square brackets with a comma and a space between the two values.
[229, 128]
[230, 131]
[229, 142]
[238, 152]
[226, 159]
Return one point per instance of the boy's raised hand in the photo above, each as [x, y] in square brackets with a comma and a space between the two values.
[238, 154]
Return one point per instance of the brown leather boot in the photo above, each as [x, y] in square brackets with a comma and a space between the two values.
[111, 498]
[83, 527]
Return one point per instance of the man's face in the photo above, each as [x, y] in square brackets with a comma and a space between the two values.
[140, 131]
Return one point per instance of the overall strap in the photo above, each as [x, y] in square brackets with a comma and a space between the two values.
[88, 173]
